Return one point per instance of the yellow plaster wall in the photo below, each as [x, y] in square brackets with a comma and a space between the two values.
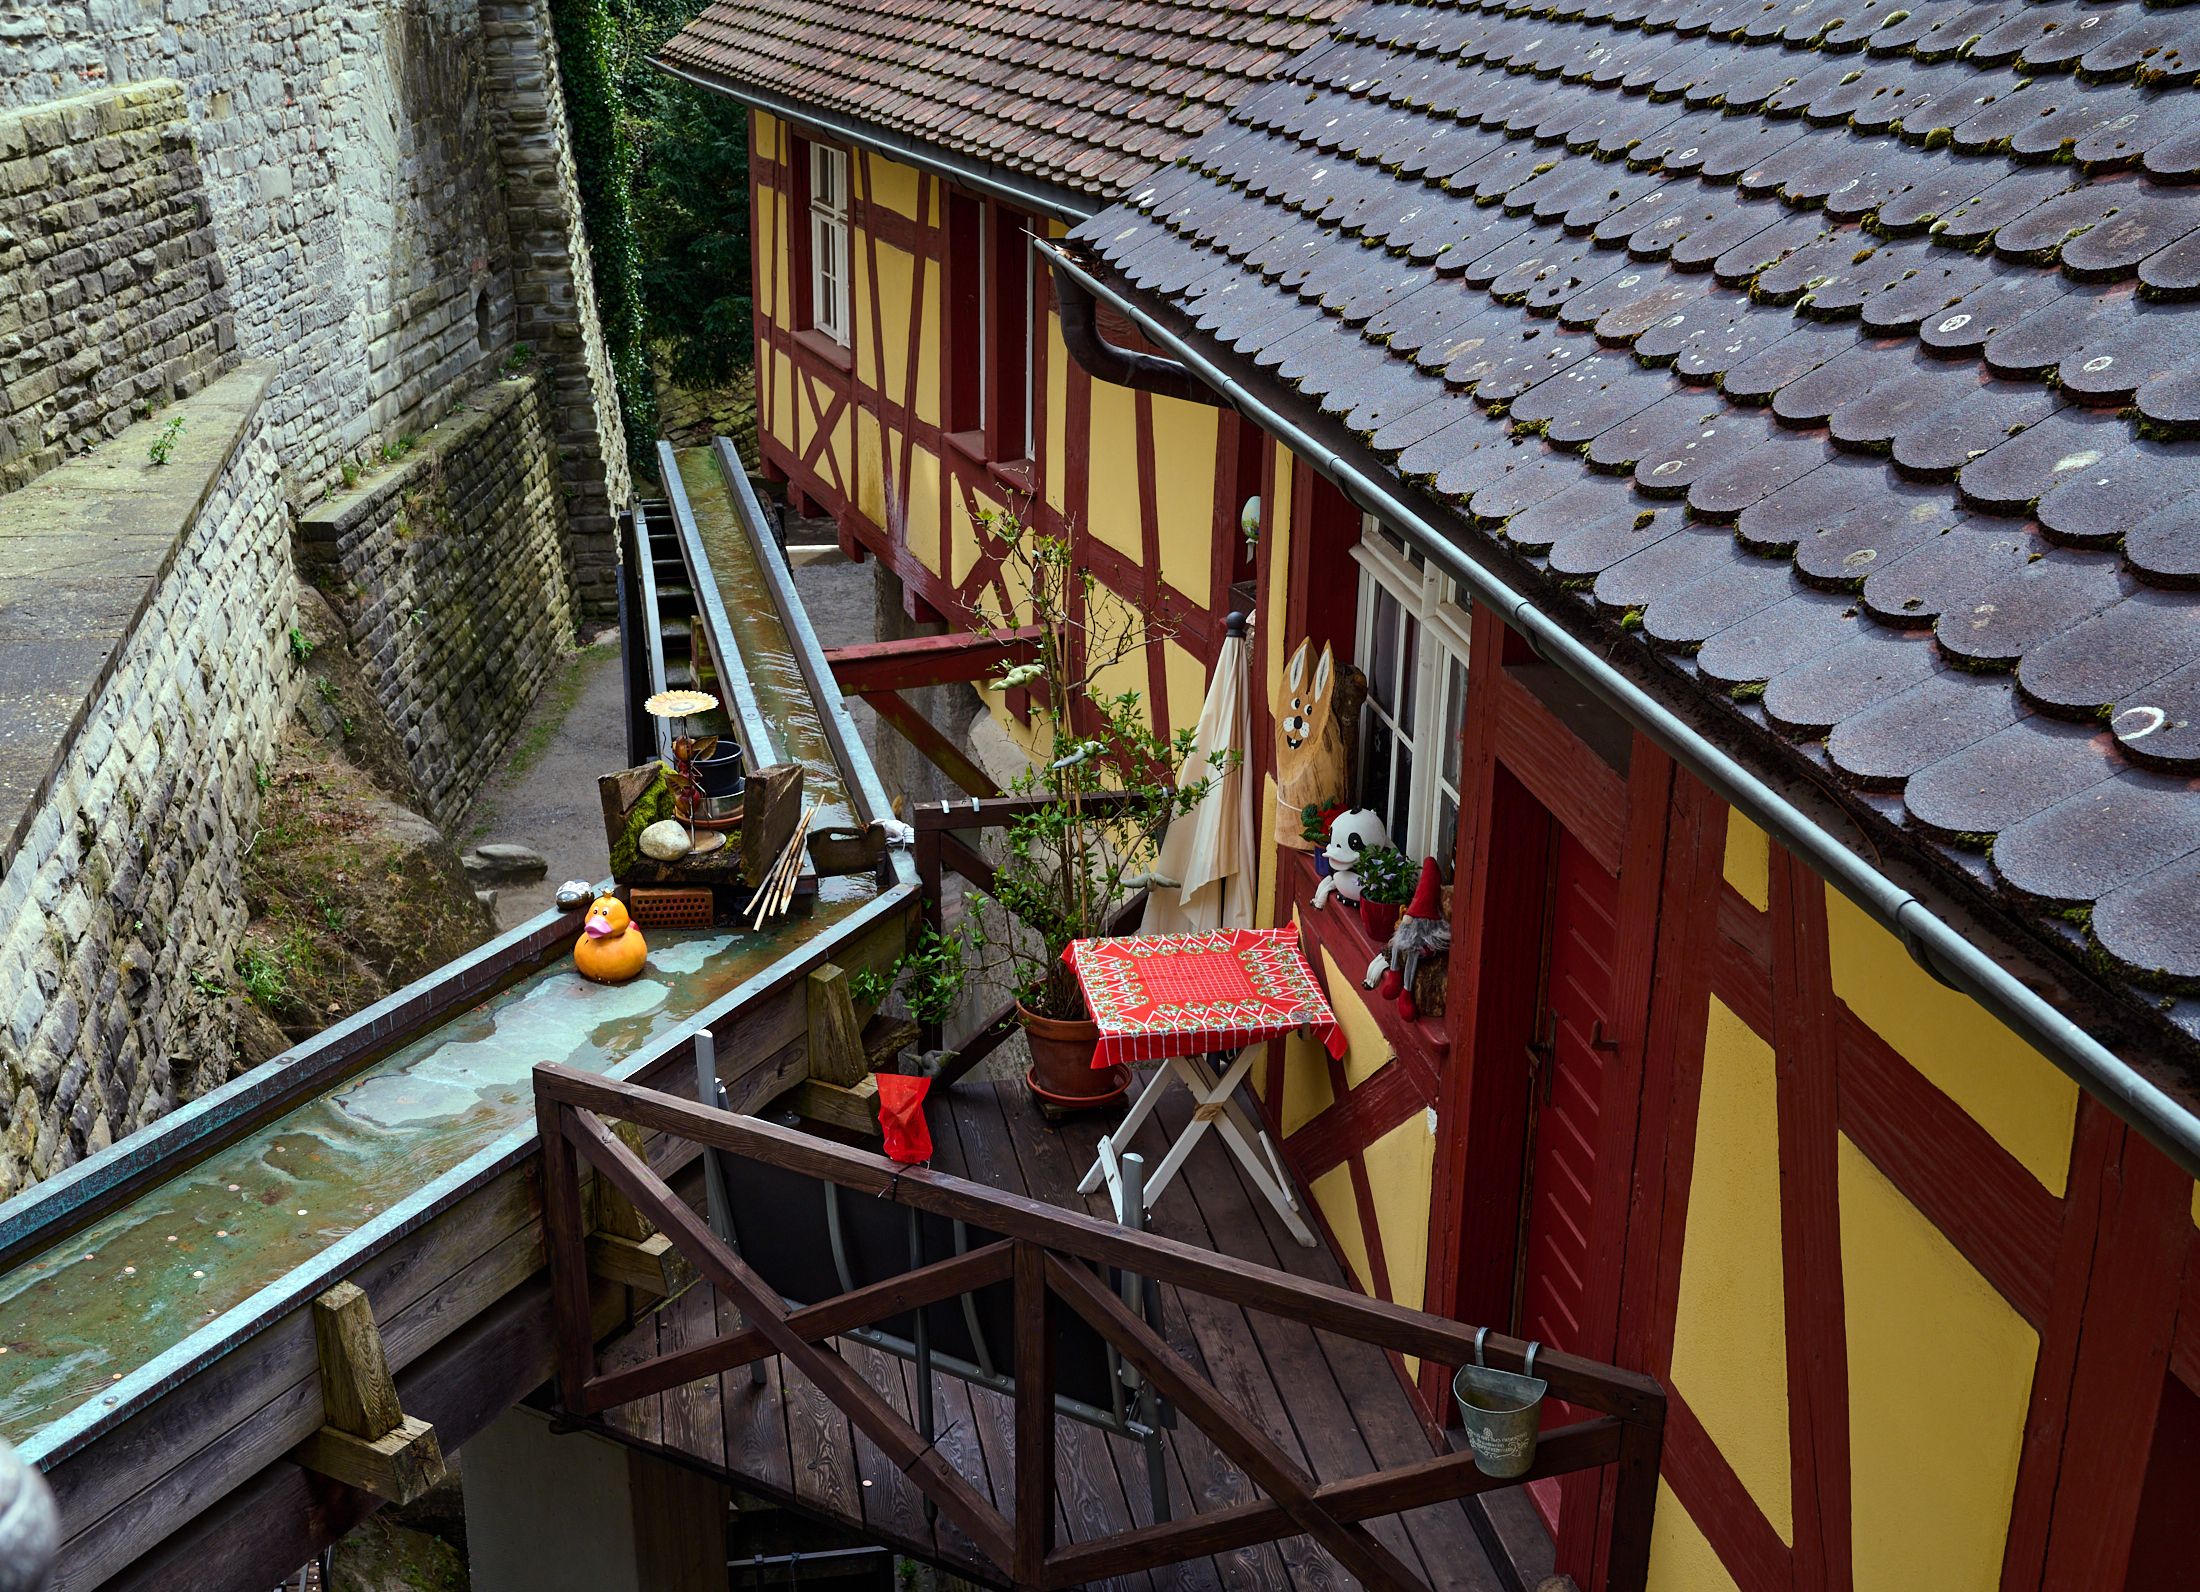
[893, 185]
[1187, 677]
[1729, 1329]
[1940, 1372]
[1306, 1091]
[1369, 1049]
[870, 493]
[1184, 437]
[896, 268]
[1748, 860]
[1112, 512]
[923, 507]
[1332, 1191]
[1681, 1556]
[1401, 1165]
[1962, 1049]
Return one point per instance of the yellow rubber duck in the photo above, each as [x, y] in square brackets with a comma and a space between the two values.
[610, 949]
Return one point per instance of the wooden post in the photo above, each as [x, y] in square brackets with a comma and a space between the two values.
[624, 1246]
[1634, 1503]
[561, 1226]
[836, 1043]
[771, 806]
[1034, 1417]
[366, 1440]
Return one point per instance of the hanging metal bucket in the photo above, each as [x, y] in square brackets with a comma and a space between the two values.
[1501, 1411]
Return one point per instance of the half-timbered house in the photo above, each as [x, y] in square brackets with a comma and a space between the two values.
[1744, 450]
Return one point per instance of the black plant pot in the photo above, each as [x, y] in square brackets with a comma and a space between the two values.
[720, 774]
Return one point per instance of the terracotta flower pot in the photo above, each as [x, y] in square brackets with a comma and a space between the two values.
[1379, 918]
[1061, 1060]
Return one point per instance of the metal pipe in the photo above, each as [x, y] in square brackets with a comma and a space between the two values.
[1936, 945]
[963, 170]
[1105, 361]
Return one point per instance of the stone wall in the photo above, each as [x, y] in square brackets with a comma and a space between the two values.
[121, 906]
[385, 185]
[115, 301]
[449, 573]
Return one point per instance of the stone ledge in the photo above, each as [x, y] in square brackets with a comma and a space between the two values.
[82, 550]
[334, 518]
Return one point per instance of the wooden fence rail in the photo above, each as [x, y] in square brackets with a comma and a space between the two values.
[1050, 1256]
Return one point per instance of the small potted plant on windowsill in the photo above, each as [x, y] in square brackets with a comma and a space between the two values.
[1103, 790]
[1386, 885]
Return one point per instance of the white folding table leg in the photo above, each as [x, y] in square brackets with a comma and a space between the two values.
[1132, 1121]
[1275, 1190]
[1195, 1077]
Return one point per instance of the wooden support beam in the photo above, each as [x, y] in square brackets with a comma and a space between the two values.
[650, 1265]
[929, 660]
[922, 734]
[853, 1109]
[836, 1042]
[366, 1440]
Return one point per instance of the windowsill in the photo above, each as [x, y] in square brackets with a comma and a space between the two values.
[970, 444]
[1018, 475]
[832, 351]
[1339, 932]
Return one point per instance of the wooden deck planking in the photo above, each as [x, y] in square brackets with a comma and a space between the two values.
[1335, 1406]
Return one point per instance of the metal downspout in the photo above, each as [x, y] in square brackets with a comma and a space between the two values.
[1123, 367]
[1042, 199]
[1935, 945]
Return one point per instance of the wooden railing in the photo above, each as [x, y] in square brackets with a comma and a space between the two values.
[1048, 1254]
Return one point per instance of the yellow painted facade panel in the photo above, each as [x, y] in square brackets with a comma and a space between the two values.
[1264, 887]
[2012, 1091]
[893, 186]
[1187, 677]
[1369, 1049]
[923, 507]
[1306, 1091]
[962, 533]
[895, 272]
[1056, 485]
[1940, 1374]
[1401, 1165]
[1184, 437]
[870, 493]
[1729, 1328]
[1332, 1193]
[782, 399]
[1681, 1556]
[1112, 513]
[1748, 860]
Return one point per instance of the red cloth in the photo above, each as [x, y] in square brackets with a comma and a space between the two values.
[1161, 995]
[901, 1115]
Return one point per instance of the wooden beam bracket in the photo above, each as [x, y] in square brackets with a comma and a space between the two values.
[366, 1440]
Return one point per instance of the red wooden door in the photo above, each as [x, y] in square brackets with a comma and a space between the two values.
[1572, 1032]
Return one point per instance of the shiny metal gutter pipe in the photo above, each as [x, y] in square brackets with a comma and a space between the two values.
[1041, 198]
[1936, 945]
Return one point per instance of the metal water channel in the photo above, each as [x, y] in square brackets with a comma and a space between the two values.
[108, 1316]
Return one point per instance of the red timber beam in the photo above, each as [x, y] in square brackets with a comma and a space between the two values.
[920, 661]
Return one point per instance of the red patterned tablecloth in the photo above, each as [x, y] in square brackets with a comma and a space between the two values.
[1161, 995]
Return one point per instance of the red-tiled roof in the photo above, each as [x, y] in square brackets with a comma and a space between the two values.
[1089, 95]
[1840, 356]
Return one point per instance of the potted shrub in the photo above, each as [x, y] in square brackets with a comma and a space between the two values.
[929, 977]
[1102, 791]
[1386, 885]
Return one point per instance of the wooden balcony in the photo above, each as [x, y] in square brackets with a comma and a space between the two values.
[1297, 1388]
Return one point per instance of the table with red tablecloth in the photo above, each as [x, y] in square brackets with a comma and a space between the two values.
[1187, 1000]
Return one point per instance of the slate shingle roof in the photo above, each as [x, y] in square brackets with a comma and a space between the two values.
[1842, 353]
[1088, 94]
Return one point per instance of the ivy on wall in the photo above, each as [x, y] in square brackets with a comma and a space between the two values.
[663, 171]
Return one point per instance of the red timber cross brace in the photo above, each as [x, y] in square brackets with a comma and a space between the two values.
[1053, 1262]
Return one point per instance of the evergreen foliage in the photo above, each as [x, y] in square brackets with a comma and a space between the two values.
[663, 173]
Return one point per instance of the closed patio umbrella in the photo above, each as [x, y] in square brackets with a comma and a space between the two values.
[1208, 851]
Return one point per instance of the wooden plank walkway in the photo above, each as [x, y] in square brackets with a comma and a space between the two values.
[1332, 1404]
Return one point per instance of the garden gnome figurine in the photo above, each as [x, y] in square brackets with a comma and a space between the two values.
[1422, 928]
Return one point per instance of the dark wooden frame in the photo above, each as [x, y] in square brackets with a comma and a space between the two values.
[1049, 1253]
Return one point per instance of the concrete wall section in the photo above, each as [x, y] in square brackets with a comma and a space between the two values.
[450, 575]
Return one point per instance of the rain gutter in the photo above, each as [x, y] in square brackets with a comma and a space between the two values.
[1039, 197]
[1106, 361]
[1937, 946]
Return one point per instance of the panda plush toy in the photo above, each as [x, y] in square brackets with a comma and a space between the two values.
[1352, 835]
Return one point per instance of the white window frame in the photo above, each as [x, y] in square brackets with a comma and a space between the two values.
[1433, 609]
[829, 254]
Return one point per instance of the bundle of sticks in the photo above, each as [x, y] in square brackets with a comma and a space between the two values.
[777, 890]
